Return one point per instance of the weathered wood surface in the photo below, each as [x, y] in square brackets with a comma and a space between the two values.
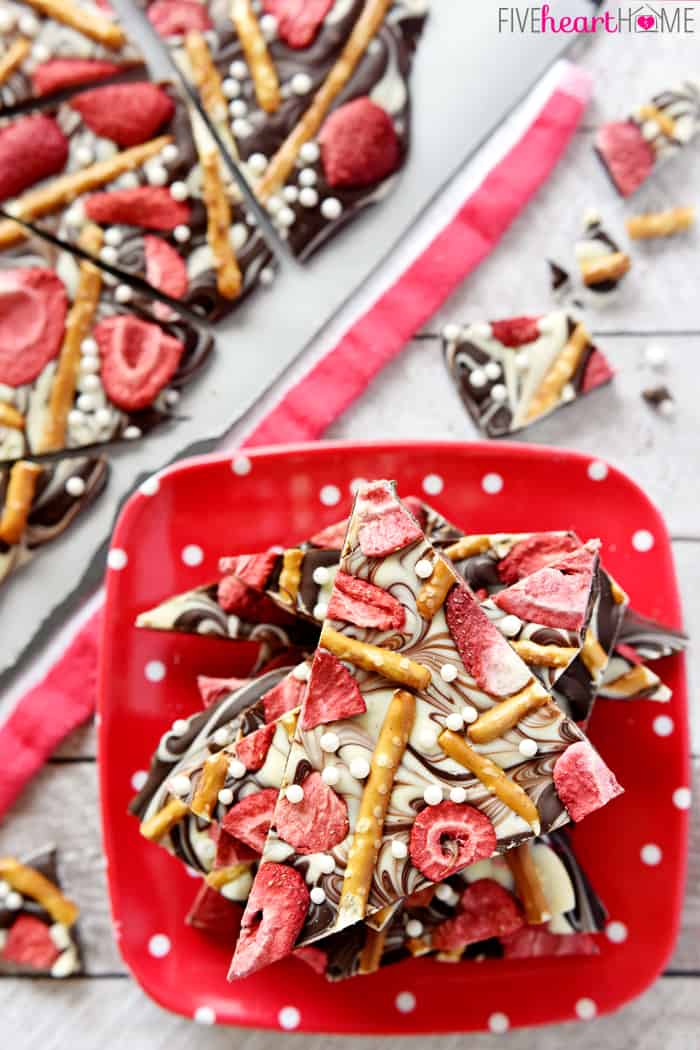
[413, 399]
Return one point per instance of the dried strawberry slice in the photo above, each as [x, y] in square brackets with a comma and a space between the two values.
[628, 157]
[597, 372]
[447, 837]
[583, 781]
[298, 21]
[33, 307]
[214, 915]
[212, 689]
[252, 749]
[275, 913]
[238, 598]
[29, 944]
[148, 207]
[385, 526]
[359, 144]
[165, 269]
[249, 820]
[515, 331]
[253, 569]
[485, 910]
[138, 360]
[533, 553]
[31, 148]
[60, 73]
[317, 823]
[531, 942]
[556, 596]
[331, 538]
[178, 17]
[230, 850]
[364, 604]
[314, 957]
[333, 693]
[283, 697]
[485, 653]
[127, 114]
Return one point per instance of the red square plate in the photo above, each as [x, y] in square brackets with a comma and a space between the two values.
[170, 537]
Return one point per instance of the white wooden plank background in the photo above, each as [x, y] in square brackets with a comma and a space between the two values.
[413, 399]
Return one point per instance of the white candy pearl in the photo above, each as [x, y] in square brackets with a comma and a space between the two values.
[528, 747]
[221, 737]
[492, 370]
[655, 355]
[84, 155]
[448, 673]
[241, 128]
[268, 26]
[568, 393]
[455, 722]
[239, 70]
[86, 403]
[225, 796]
[236, 769]
[109, 255]
[267, 275]
[326, 864]
[180, 785]
[331, 208]
[451, 333]
[170, 153]
[433, 794]
[330, 775]
[309, 153]
[294, 793]
[301, 672]
[14, 901]
[320, 611]
[286, 217]
[238, 108]
[399, 849]
[423, 569]
[89, 346]
[28, 25]
[499, 393]
[509, 626]
[239, 235]
[308, 197]
[301, 83]
[157, 175]
[75, 418]
[469, 714]
[274, 205]
[230, 87]
[179, 191]
[307, 177]
[477, 378]
[359, 768]
[75, 486]
[123, 293]
[317, 895]
[330, 742]
[182, 234]
[103, 417]
[257, 162]
[321, 575]
[179, 727]
[414, 928]
[113, 236]
[458, 795]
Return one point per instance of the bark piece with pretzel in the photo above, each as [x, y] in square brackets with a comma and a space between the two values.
[377, 737]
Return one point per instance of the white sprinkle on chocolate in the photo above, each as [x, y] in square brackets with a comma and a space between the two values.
[330, 742]
[423, 569]
[433, 794]
[359, 768]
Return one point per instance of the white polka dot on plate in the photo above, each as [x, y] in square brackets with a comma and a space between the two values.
[663, 725]
[150, 486]
[616, 931]
[159, 945]
[642, 540]
[204, 1015]
[356, 484]
[433, 484]
[491, 484]
[405, 1002]
[155, 671]
[498, 1023]
[681, 798]
[241, 466]
[138, 779]
[329, 495]
[289, 1017]
[597, 470]
[192, 555]
[586, 1009]
[651, 854]
[117, 558]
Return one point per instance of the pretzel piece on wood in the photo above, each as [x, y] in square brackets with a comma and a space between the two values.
[18, 501]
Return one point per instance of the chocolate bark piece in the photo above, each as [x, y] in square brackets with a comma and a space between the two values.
[398, 762]
[661, 399]
[601, 262]
[49, 48]
[627, 678]
[93, 369]
[650, 639]
[56, 494]
[160, 213]
[38, 934]
[632, 149]
[559, 279]
[513, 373]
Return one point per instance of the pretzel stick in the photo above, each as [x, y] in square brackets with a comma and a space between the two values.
[218, 878]
[31, 883]
[290, 576]
[619, 596]
[11, 417]
[262, 69]
[373, 658]
[660, 223]
[666, 123]
[210, 783]
[158, 826]
[466, 547]
[544, 655]
[634, 681]
[78, 325]
[65, 189]
[528, 884]
[14, 57]
[18, 501]
[367, 837]
[491, 776]
[198, 66]
[493, 723]
[559, 373]
[372, 950]
[90, 24]
[282, 163]
[593, 654]
[608, 268]
[432, 593]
